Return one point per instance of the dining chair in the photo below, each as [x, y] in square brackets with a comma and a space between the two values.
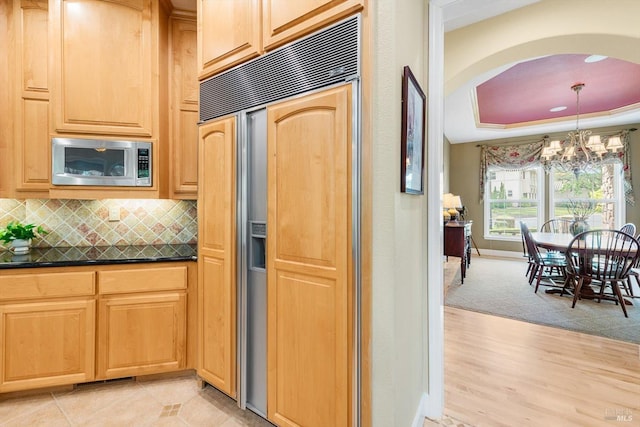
[635, 274]
[543, 263]
[524, 250]
[629, 228]
[556, 225]
[601, 259]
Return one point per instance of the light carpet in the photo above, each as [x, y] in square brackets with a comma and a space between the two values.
[499, 286]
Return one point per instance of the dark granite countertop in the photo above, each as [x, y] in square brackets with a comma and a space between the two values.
[94, 255]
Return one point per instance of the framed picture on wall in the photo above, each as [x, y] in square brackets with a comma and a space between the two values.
[414, 104]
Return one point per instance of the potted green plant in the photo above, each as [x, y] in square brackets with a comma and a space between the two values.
[19, 235]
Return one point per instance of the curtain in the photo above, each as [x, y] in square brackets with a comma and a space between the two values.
[520, 156]
[625, 157]
[508, 157]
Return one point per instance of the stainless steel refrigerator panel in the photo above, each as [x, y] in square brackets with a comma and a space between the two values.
[256, 289]
[257, 165]
[256, 391]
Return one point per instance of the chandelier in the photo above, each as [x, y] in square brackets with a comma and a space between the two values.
[581, 150]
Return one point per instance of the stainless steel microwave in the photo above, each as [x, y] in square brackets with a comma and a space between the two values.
[101, 162]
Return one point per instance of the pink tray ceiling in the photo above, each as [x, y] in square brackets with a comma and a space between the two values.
[525, 92]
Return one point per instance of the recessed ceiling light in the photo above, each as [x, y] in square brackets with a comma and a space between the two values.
[556, 109]
[595, 58]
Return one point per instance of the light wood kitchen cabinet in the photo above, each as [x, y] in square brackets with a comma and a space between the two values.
[217, 255]
[68, 325]
[47, 329]
[142, 321]
[106, 75]
[309, 285]
[6, 102]
[141, 334]
[31, 143]
[184, 107]
[286, 21]
[228, 34]
[47, 343]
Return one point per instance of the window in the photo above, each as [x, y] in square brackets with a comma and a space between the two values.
[598, 191]
[512, 196]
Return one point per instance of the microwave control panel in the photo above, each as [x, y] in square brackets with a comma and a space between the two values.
[143, 164]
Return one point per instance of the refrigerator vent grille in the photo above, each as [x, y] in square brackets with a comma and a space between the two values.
[324, 58]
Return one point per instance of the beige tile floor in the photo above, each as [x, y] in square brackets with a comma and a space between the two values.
[161, 402]
[123, 403]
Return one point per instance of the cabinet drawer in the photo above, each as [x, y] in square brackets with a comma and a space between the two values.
[142, 280]
[46, 285]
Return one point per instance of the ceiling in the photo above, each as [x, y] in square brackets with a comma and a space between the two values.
[545, 83]
[514, 100]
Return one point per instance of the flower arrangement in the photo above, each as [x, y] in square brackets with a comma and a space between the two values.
[581, 209]
[16, 230]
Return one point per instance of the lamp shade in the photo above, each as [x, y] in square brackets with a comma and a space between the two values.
[450, 201]
[594, 141]
[614, 143]
[555, 146]
[446, 200]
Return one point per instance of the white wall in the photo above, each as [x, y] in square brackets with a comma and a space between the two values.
[399, 221]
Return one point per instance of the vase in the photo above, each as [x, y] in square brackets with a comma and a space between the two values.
[20, 246]
[578, 226]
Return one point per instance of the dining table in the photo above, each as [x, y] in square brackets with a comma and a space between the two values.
[552, 241]
[560, 242]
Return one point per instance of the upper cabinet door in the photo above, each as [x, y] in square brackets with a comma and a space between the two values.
[31, 138]
[184, 109]
[229, 33]
[284, 21]
[104, 77]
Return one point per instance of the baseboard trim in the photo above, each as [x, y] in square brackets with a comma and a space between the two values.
[418, 420]
[498, 254]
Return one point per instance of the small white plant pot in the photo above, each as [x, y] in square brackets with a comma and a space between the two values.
[20, 246]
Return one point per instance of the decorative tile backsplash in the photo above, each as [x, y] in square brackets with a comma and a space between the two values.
[86, 222]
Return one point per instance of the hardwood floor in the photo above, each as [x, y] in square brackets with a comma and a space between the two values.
[503, 372]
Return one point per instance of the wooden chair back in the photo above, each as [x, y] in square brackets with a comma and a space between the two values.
[556, 225]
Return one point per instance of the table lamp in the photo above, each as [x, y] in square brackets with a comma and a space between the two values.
[445, 211]
[452, 203]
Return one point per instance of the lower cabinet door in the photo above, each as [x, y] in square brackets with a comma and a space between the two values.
[141, 334]
[46, 344]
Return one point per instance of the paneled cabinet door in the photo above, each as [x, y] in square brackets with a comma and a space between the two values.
[217, 255]
[46, 344]
[184, 102]
[141, 334]
[31, 142]
[229, 33]
[104, 76]
[284, 21]
[309, 314]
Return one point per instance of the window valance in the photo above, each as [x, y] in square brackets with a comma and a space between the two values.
[521, 156]
[508, 157]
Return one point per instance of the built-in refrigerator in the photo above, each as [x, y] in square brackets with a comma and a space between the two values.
[326, 59]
